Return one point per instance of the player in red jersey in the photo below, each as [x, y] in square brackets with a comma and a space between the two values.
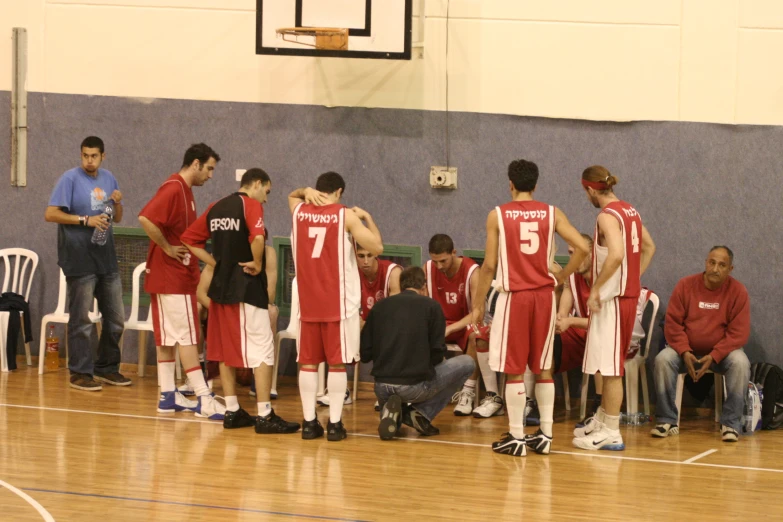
[239, 333]
[520, 249]
[452, 282]
[622, 251]
[323, 235]
[172, 276]
[380, 279]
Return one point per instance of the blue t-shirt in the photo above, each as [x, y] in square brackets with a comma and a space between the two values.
[80, 194]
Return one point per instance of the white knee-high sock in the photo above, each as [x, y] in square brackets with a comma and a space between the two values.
[197, 382]
[530, 384]
[336, 383]
[308, 385]
[490, 378]
[166, 371]
[546, 404]
[515, 404]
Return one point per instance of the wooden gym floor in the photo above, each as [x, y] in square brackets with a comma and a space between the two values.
[71, 455]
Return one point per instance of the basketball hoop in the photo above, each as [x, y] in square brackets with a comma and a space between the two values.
[326, 38]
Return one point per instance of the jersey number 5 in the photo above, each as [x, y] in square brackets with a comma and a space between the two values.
[528, 235]
[319, 233]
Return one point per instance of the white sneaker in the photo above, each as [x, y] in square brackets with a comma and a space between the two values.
[323, 400]
[464, 399]
[186, 389]
[490, 406]
[728, 434]
[592, 424]
[173, 401]
[603, 439]
[209, 408]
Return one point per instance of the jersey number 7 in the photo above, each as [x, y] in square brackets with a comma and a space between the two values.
[319, 233]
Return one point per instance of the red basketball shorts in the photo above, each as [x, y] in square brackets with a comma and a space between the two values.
[335, 342]
[240, 335]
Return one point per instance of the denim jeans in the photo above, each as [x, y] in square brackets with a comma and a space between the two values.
[429, 397]
[81, 292]
[735, 369]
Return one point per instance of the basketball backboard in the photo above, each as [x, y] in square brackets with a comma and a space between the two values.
[374, 28]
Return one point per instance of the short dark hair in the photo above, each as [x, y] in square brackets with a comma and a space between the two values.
[441, 244]
[523, 174]
[727, 249]
[329, 182]
[93, 142]
[412, 277]
[252, 175]
[588, 238]
[201, 152]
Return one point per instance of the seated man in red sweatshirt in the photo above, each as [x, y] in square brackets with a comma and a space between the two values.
[707, 324]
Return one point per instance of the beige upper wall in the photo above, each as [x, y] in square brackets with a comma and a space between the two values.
[696, 60]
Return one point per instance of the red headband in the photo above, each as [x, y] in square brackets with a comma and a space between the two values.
[597, 185]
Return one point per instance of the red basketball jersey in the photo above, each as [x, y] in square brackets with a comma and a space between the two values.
[326, 271]
[581, 292]
[452, 293]
[526, 245]
[625, 282]
[172, 209]
[378, 289]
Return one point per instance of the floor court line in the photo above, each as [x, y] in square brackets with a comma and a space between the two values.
[187, 504]
[689, 462]
[30, 500]
[700, 455]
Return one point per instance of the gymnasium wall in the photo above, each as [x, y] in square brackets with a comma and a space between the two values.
[700, 60]
[153, 80]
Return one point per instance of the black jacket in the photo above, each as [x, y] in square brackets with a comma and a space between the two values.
[15, 303]
[404, 337]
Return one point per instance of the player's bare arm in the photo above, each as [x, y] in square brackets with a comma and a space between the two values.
[203, 286]
[468, 319]
[369, 239]
[612, 235]
[253, 267]
[306, 195]
[394, 281]
[118, 207]
[570, 235]
[154, 233]
[487, 270]
[648, 250]
[271, 273]
[204, 256]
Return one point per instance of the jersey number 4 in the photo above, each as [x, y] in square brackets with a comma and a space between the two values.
[634, 237]
[319, 233]
[528, 235]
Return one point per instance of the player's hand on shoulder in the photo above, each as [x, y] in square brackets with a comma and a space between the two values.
[361, 213]
[315, 197]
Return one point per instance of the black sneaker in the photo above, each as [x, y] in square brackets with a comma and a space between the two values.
[421, 424]
[275, 424]
[539, 442]
[335, 431]
[312, 429]
[405, 416]
[509, 445]
[237, 419]
[662, 431]
[115, 379]
[390, 418]
[85, 382]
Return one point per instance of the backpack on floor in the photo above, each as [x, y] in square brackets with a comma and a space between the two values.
[768, 378]
[752, 416]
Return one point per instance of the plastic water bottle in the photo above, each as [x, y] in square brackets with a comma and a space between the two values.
[634, 419]
[99, 236]
[52, 361]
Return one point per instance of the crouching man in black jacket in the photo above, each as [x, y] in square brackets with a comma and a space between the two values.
[404, 337]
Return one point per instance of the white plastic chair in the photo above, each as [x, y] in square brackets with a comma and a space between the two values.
[291, 332]
[61, 316]
[636, 368]
[134, 322]
[21, 264]
[720, 391]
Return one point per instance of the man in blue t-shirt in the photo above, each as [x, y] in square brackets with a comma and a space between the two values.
[77, 206]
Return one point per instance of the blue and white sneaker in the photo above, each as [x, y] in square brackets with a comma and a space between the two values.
[186, 390]
[603, 439]
[173, 401]
[209, 408]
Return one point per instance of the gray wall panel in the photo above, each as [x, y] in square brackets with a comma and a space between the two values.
[695, 184]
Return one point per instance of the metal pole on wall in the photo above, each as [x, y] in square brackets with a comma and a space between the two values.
[19, 109]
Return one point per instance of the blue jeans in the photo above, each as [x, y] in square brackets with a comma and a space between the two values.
[429, 397]
[735, 369]
[81, 292]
